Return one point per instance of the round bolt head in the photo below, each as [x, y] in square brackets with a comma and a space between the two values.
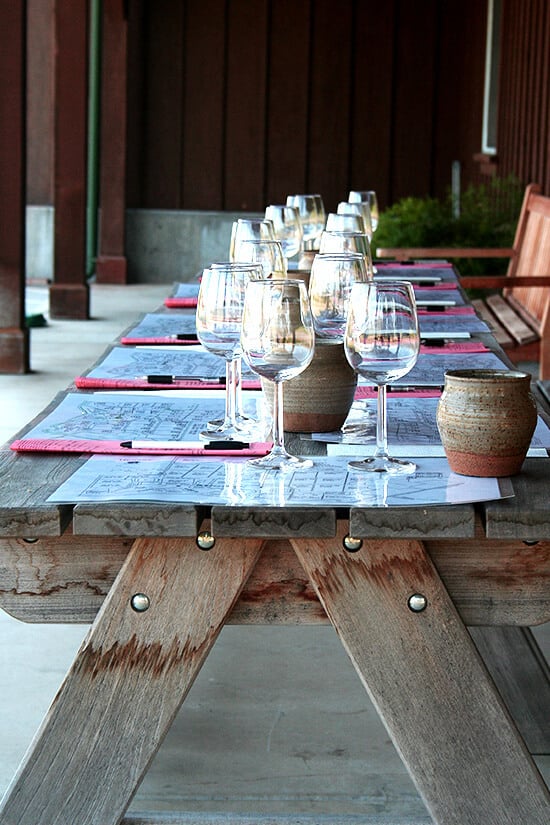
[206, 540]
[140, 602]
[417, 602]
[352, 544]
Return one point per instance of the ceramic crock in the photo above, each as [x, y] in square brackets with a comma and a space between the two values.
[486, 419]
[320, 398]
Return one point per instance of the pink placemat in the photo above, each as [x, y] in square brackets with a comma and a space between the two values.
[115, 448]
[364, 391]
[180, 302]
[83, 382]
[164, 341]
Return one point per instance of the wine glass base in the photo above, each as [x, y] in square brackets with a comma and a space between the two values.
[225, 433]
[277, 460]
[383, 464]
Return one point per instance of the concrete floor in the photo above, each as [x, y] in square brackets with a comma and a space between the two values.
[254, 745]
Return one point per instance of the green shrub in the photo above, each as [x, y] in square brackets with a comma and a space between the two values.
[488, 218]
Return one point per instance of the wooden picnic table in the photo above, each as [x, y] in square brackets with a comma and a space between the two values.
[400, 585]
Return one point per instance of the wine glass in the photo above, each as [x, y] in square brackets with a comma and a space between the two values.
[218, 320]
[255, 272]
[308, 209]
[332, 277]
[367, 196]
[338, 241]
[362, 209]
[348, 222]
[287, 227]
[382, 344]
[321, 216]
[278, 343]
[254, 229]
[268, 253]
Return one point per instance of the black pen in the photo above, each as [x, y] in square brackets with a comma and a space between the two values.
[185, 336]
[173, 379]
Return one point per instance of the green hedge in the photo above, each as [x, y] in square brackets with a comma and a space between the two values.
[488, 218]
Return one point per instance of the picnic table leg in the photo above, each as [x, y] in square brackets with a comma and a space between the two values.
[427, 682]
[128, 681]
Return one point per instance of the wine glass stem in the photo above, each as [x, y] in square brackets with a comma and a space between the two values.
[230, 392]
[381, 424]
[237, 372]
[278, 423]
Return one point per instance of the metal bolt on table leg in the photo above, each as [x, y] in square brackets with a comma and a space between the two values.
[140, 602]
[352, 544]
[417, 602]
[206, 540]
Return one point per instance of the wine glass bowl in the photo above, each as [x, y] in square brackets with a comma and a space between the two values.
[345, 222]
[278, 343]
[311, 217]
[287, 227]
[362, 209]
[367, 196]
[382, 343]
[267, 253]
[252, 229]
[331, 279]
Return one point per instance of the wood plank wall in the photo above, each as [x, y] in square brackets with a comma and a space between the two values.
[523, 135]
[235, 103]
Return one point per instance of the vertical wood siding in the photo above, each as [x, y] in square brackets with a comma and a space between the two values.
[523, 136]
[244, 101]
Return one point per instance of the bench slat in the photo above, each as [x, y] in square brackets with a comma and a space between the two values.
[516, 326]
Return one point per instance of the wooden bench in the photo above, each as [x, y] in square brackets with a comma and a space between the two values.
[520, 315]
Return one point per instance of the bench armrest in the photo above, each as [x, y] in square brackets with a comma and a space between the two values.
[406, 253]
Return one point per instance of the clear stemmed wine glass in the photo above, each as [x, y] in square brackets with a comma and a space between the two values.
[218, 320]
[337, 241]
[252, 229]
[331, 279]
[382, 344]
[278, 343]
[269, 254]
[321, 216]
[307, 206]
[362, 209]
[255, 272]
[367, 196]
[345, 222]
[287, 227]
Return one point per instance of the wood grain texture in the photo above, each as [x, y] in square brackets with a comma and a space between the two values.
[139, 519]
[427, 682]
[526, 516]
[66, 579]
[62, 580]
[413, 522]
[27, 481]
[522, 675]
[127, 682]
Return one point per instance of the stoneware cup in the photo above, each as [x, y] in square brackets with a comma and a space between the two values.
[320, 398]
[486, 419]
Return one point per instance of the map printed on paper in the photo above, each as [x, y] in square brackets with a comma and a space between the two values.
[446, 323]
[412, 429]
[429, 370]
[136, 362]
[163, 325]
[235, 482]
[122, 416]
[450, 296]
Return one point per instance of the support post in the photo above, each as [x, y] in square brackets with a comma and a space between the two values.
[14, 337]
[111, 261]
[69, 294]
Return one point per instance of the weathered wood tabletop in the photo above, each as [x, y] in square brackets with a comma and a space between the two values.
[400, 586]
